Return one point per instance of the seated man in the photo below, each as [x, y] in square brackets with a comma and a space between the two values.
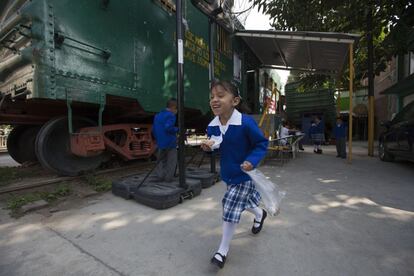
[165, 132]
[283, 133]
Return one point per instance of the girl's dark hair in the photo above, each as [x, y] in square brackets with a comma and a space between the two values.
[234, 90]
[228, 86]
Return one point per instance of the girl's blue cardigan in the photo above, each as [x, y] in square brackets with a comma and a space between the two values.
[243, 141]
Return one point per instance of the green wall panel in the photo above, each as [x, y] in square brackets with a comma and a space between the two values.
[140, 36]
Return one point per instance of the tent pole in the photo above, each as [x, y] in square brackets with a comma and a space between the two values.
[371, 76]
[180, 94]
[338, 104]
[211, 32]
[351, 88]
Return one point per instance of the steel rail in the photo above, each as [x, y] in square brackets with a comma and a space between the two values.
[46, 182]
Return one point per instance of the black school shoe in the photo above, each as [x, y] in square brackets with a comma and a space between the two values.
[217, 262]
[256, 230]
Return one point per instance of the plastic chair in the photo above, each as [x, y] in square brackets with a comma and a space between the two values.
[295, 144]
[280, 149]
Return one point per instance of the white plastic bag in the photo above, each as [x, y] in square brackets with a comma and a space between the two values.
[270, 192]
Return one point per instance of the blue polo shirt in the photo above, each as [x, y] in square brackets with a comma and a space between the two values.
[242, 141]
[340, 131]
[164, 130]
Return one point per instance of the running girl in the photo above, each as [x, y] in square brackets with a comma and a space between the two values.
[242, 146]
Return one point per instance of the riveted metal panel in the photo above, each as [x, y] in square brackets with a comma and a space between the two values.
[125, 48]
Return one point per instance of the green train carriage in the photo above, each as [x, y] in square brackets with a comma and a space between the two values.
[81, 80]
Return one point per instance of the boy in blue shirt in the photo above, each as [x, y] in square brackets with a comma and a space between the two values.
[165, 132]
[340, 137]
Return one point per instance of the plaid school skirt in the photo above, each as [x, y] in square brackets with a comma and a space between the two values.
[318, 138]
[237, 198]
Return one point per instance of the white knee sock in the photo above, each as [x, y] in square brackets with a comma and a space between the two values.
[228, 232]
[258, 213]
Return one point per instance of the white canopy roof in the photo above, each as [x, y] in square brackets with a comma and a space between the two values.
[309, 51]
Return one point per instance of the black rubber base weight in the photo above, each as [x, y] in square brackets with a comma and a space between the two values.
[155, 194]
[207, 178]
[124, 187]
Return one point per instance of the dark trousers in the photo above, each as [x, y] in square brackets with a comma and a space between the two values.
[166, 165]
[341, 147]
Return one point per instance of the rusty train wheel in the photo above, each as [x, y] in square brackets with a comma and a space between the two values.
[53, 148]
[21, 143]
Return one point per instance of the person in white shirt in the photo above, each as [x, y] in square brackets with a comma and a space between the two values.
[283, 133]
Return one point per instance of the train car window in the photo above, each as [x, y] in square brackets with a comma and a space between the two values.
[167, 5]
[223, 41]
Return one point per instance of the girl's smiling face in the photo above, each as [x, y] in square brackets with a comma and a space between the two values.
[222, 102]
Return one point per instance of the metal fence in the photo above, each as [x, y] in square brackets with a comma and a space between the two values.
[3, 142]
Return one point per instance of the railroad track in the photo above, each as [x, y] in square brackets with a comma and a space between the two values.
[52, 180]
[49, 181]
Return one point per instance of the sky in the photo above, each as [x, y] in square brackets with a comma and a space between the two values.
[258, 21]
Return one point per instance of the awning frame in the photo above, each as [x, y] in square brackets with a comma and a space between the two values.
[310, 65]
[289, 36]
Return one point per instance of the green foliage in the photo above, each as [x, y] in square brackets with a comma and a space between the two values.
[16, 202]
[60, 191]
[309, 81]
[5, 129]
[8, 174]
[98, 184]
[392, 23]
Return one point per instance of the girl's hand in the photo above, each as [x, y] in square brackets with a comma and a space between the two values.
[207, 145]
[247, 166]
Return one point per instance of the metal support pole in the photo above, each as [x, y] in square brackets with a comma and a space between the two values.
[70, 114]
[338, 104]
[370, 83]
[256, 90]
[101, 110]
[211, 78]
[371, 115]
[70, 121]
[351, 90]
[273, 95]
[211, 49]
[180, 94]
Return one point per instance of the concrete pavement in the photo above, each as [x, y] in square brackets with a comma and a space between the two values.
[7, 161]
[337, 219]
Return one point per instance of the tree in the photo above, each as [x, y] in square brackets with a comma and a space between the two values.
[392, 23]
